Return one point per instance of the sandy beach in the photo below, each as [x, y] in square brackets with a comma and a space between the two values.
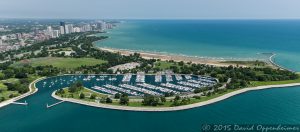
[164, 57]
[177, 108]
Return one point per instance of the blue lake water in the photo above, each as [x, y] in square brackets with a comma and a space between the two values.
[225, 39]
[267, 106]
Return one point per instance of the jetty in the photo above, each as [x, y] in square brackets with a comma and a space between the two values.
[49, 106]
[20, 103]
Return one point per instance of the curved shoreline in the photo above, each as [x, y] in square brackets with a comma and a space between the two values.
[30, 92]
[177, 58]
[177, 108]
[277, 65]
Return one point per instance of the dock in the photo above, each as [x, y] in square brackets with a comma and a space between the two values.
[49, 106]
[20, 103]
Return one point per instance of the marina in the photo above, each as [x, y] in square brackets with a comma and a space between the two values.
[139, 84]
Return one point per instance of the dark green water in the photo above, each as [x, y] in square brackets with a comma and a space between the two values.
[266, 106]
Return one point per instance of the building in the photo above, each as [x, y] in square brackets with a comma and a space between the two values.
[109, 26]
[19, 36]
[55, 33]
[86, 28]
[62, 30]
[22, 43]
[101, 25]
[1, 42]
[69, 28]
[3, 37]
[49, 31]
[62, 27]
[77, 30]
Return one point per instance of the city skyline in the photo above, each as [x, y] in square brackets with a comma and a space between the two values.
[143, 9]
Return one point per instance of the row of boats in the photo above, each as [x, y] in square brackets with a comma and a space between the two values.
[177, 87]
[140, 77]
[142, 90]
[184, 83]
[161, 89]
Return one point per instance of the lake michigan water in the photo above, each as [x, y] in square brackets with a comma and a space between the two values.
[220, 39]
[238, 39]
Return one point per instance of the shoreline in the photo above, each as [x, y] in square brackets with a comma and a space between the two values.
[177, 58]
[30, 92]
[176, 108]
[276, 65]
[166, 57]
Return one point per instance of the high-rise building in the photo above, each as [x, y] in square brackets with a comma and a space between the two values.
[19, 36]
[49, 31]
[101, 25]
[55, 33]
[1, 42]
[62, 27]
[86, 28]
[76, 29]
[62, 30]
[69, 28]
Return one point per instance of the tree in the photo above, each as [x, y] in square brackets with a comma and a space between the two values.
[93, 96]
[2, 99]
[75, 87]
[177, 97]
[108, 100]
[21, 75]
[81, 96]
[2, 76]
[150, 100]
[117, 96]
[8, 73]
[163, 99]
[124, 100]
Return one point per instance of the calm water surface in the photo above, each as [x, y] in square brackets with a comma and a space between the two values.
[266, 106]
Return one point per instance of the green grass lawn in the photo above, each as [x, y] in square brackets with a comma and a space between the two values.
[60, 62]
[248, 63]
[85, 91]
[262, 83]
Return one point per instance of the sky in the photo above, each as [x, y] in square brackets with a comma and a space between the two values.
[151, 9]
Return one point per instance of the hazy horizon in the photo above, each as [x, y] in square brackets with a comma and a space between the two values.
[154, 9]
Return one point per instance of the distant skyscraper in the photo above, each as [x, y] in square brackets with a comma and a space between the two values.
[19, 36]
[86, 28]
[62, 27]
[62, 24]
[62, 30]
[101, 25]
[55, 33]
[50, 31]
[69, 28]
[76, 29]
[1, 42]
